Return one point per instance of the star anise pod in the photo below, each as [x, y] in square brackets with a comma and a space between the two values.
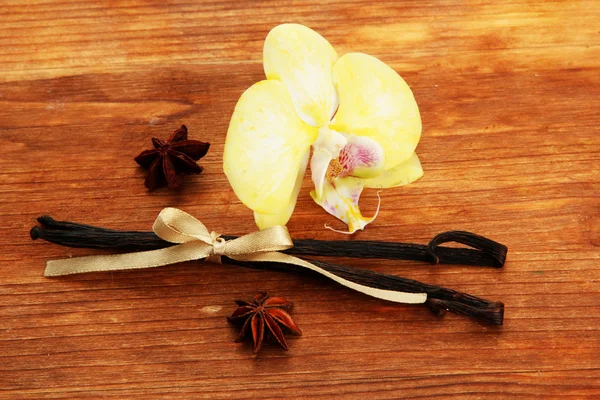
[169, 160]
[271, 312]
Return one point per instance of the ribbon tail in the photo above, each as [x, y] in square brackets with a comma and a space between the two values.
[119, 262]
[389, 295]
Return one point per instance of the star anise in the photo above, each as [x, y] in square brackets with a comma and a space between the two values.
[169, 160]
[265, 310]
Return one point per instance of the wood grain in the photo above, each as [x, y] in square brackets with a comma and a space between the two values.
[508, 93]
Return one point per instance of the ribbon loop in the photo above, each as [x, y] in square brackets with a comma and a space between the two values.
[272, 239]
[176, 226]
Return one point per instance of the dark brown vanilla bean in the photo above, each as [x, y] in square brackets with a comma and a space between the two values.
[494, 250]
[439, 299]
[492, 255]
[486, 253]
[72, 234]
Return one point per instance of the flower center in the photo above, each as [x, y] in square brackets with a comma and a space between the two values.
[334, 169]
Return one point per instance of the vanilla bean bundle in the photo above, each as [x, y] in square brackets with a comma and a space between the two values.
[485, 252]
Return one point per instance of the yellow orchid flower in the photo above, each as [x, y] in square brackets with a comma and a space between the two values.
[357, 114]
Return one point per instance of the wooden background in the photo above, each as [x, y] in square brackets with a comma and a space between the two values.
[511, 150]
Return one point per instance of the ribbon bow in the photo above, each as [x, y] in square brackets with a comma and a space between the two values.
[194, 242]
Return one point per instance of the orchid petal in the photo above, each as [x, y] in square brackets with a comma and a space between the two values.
[327, 147]
[340, 199]
[264, 221]
[376, 102]
[318, 167]
[402, 174]
[265, 147]
[303, 60]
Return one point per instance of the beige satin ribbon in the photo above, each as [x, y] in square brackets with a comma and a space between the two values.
[194, 242]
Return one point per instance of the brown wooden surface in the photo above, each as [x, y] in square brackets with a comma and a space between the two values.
[511, 150]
